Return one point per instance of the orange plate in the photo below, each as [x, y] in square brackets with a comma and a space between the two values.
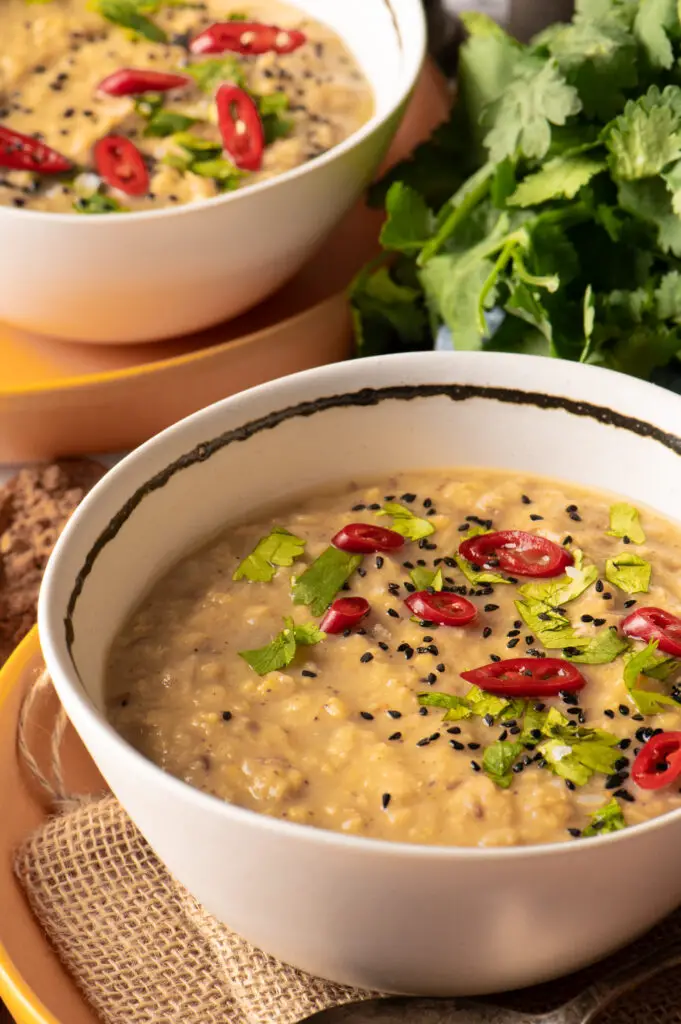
[65, 399]
[33, 984]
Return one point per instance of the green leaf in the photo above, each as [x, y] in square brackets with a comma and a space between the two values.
[281, 651]
[560, 178]
[196, 145]
[650, 201]
[668, 298]
[405, 522]
[562, 762]
[457, 708]
[148, 104]
[661, 667]
[654, 19]
[575, 753]
[98, 203]
[557, 592]
[424, 578]
[533, 721]
[167, 122]
[457, 209]
[603, 648]
[551, 628]
[538, 97]
[222, 171]
[128, 14]
[629, 572]
[605, 819]
[643, 140]
[208, 74]
[409, 223]
[272, 108]
[625, 522]
[498, 761]
[483, 704]
[279, 548]
[648, 702]
[388, 316]
[322, 580]
[476, 577]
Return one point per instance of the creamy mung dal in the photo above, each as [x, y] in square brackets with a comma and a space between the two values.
[229, 685]
[246, 105]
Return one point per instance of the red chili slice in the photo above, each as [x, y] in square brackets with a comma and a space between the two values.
[516, 552]
[120, 163]
[363, 539]
[441, 607]
[131, 81]
[344, 613]
[247, 37]
[655, 624]
[240, 126]
[658, 763]
[527, 677]
[20, 152]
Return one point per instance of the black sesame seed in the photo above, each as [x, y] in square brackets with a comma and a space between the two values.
[440, 667]
[494, 657]
[308, 674]
[408, 497]
[491, 607]
[424, 742]
[488, 720]
[571, 508]
[379, 561]
[395, 736]
[383, 646]
[407, 565]
[637, 717]
[385, 800]
[374, 507]
[599, 622]
[587, 618]
[624, 744]
[395, 714]
[487, 631]
[393, 614]
[423, 711]
[475, 766]
[599, 586]
[226, 716]
[454, 730]
[427, 502]
[427, 639]
[575, 832]
[513, 643]
[626, 540]
[515, 730]
[623, 709]
[525, 500]
[570, 784]
[575, 517]
[567, 697]
[503, 735]
[629, 604]
[361, 572]
[513, 632]
[455, 745]
[517, 768]
[367, 715]
[567, 540]
[607, 596]
[609, 713]
[539, 707]
[535, 518]
[624, 794]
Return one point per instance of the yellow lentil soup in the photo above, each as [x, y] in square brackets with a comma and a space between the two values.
[109, 106]
[308, 665]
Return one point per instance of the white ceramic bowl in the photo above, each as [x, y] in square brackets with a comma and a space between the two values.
[151, 275]
[397, 917]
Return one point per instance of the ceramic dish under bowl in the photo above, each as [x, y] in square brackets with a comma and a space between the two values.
[161, 273]
[391, 916]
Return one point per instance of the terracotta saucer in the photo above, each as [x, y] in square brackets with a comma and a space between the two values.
[67, 399]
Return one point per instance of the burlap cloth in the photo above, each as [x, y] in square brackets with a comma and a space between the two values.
[143, 951]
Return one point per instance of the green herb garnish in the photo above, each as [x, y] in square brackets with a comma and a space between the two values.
[167, 122]
[148, 104]
[605, 819]
[625, 522]
[629, 572]
[567, 588]
[648, 702]
[322, 580]
[98, 203]
[208, 74]
[131, 14]
[475, 702]
[279, 548]
[552, 628]
[425, 578]
[223, 172]
[575, 752]
[603, 648]
[281, 651]
[271, 109]
[405, 522]
[196, 145]
[498, 761]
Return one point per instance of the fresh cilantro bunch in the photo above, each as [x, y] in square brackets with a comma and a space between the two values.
[553, 195]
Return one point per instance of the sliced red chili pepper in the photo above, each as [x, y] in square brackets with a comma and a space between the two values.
[363, 538]
[21, 152]
[242, 132]
[131, 81]
[527, 677]
[441, 607]
[655, 624]
[344, 613]
[516, 552]
[658, 763]
[120, 163]
[247, 37]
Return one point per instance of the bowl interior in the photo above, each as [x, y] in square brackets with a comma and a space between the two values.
[323, 428]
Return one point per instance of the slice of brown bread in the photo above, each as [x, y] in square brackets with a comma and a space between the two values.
[34, 507]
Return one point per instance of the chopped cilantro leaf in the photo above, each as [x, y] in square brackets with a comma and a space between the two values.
[410, 222]
[208, 74]
[562, 176]
[129, 14]
[98, 203]
[148, 104]
[552, 629]
[572, 585]
[475, 702]
[196, 145]
[272, 108]
[424, 578]
[222, 171]
[322, 580]
[603, 648]
[281, 651]
[498, 760]
[629, 572]
[625, 522]
[645, 138]
[648, 702]
[605, 819]
[405, 522]
[167, 122]
[279, 548]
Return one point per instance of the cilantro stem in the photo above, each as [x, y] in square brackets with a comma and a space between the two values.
[457, 214]
[503, 258]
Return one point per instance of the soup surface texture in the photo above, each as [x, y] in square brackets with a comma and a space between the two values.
[128, 143]
[228, 683]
